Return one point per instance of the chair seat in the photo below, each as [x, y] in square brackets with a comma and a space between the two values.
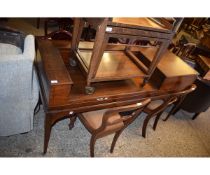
[154, 104]
[9, 49]
[93, 120]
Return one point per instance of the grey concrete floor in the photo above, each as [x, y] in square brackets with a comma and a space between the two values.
[178, 137]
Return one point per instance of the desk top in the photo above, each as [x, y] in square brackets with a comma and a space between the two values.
[107, 94]
[170, 64]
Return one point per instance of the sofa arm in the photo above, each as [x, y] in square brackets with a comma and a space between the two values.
[16, 71]
[29, 47]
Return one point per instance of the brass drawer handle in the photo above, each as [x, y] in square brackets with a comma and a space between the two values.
[102, 98]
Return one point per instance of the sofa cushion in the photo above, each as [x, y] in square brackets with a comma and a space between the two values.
[9, 49]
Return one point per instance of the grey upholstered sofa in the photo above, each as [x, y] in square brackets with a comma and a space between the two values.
[18, 83]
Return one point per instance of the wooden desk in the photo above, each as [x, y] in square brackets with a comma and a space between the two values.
[67, 97]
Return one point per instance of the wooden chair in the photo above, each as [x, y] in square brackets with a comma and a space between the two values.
[62, 23]
[195, 102]
[57, 35]
[157, 107]
[107, 121]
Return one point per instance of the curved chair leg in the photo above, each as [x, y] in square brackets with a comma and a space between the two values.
[92, 145]
[173, 111]
[195, 116]
[116, 136]
[144, 128]
[156, 121]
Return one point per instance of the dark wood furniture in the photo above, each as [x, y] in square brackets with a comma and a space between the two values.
[155, 109]
[93, 62]
[59, 35]
[203, 65]
[12, 36]
[196, 102]
[108, 121]
[55, 77]
[62, 87]
[61, 23]
[171, 72]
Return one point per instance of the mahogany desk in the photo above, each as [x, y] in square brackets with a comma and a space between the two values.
[62, 86]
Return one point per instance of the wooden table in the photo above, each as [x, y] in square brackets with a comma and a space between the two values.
[62, 87]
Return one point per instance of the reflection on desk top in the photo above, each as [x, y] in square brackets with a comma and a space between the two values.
[170, 64]
[113, 65]
[143, 22]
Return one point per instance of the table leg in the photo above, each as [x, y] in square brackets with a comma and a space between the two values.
[48, 127]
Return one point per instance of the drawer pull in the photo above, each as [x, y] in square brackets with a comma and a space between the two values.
[71, 112]
[100, 99]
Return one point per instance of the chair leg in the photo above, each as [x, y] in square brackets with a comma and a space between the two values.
[144, 128]
[116, 136]
[195, 116]
[156, 121]
[173, 111]
[92, 145]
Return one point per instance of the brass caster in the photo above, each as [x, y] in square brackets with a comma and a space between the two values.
[73, 62]
[89, 90]
[145, 81]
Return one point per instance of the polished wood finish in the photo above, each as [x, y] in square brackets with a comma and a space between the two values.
[204, 63]
[55, 77]
[145, 23]
[112, 65]
[59, 35]
[105, 122]
[67, 97]
[62, 23]
[196, 102]
[205, 41]
[156, 112]
[171, 72]
[129, 28]
[180, 98]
